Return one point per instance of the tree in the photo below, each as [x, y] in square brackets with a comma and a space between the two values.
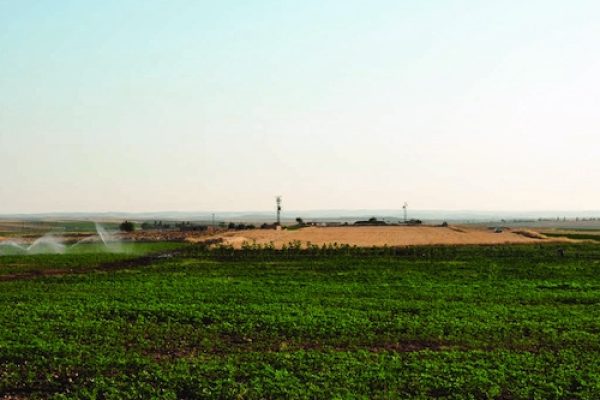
[300, 221]
[127, 226]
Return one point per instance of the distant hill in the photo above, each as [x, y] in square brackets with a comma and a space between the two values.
[390, 215]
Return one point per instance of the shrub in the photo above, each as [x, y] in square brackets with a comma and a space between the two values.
[127, 226]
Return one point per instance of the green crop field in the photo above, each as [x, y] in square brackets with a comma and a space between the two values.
[173, 322]
[576, 236]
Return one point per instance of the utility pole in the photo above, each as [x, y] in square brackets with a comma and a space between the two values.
[278, 202]
[405, 209]
[213, 221]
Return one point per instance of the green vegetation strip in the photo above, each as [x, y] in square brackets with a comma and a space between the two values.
[576, 236]
[509, 322]
[84, 258]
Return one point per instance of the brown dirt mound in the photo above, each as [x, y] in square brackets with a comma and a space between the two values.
[530, 234]
[379, 236]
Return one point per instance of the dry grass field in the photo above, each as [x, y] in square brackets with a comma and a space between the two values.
[380, 236]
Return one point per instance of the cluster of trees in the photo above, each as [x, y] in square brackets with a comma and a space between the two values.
[127, 226]
[371, 222]
[155, 225]
[182, 226]
[240, 226]
[188, 226]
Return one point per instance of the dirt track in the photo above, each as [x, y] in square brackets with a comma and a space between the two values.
[379, 236]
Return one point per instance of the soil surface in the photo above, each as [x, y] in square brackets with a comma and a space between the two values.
[385, 235]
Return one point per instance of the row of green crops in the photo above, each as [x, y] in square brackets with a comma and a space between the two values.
[83, 257]
[468, 322]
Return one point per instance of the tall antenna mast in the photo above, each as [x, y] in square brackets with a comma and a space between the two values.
[405, 209]
[278, 201]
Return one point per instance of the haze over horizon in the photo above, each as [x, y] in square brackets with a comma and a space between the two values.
[196, 105]
[315, 215]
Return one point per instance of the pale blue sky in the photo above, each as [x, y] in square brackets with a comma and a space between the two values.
[197, 105]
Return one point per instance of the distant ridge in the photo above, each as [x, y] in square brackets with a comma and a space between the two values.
[323, 215]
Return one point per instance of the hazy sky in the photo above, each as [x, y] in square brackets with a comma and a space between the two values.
[221, 105]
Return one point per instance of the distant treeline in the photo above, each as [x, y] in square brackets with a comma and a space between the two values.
[183, 226]
[186, 226]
